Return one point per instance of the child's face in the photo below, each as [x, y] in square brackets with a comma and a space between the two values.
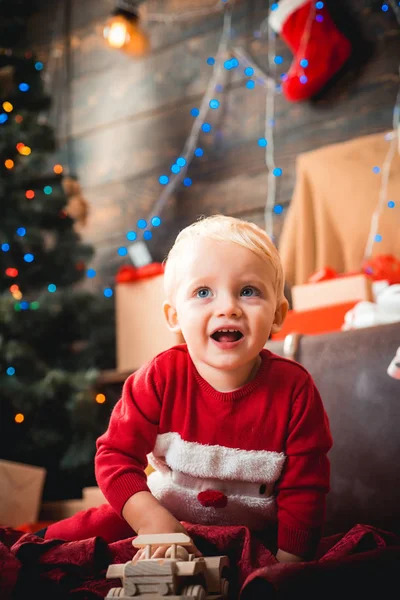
[224, 285]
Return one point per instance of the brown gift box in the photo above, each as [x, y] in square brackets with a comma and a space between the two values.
[142, 331]
[21, 488]
[350, 288]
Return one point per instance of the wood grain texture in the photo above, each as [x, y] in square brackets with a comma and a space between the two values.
[130, 118]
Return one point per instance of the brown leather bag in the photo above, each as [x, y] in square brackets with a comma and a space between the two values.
[363, 405]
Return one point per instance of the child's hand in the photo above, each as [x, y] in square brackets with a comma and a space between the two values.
[159, 551]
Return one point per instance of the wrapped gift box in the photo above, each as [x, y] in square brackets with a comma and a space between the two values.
[142, 331]
[315, 321]
[338, 290]
[21, 488]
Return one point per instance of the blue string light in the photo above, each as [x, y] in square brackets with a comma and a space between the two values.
[147, 235]
[198, 152]
[274, 6]
[214, 103]
[187, 181]
[319, 5]
[181, 162]
[249, 71]
[131, 236]
[21, 231]
[142, 224]
[175, 168]
[376, 170]
[10, 371]
[385, 7]
[319, 18]
[304, 63]
[278, 60]
[108, 292]
[262, 142]
[391, 204]
[24, 305]
[29, 257]
[52, 288]
[250, 84]
[91, 273]
[195, 112]
[3, 118]
[38, 65]
[303, 79]
[47, 189]
[378, 237]
[277, 172]
[5, 247]
[122, 251]
[206, 127]
[210, 60]
[156, 221]
[163, 179]
[24, 87]
[278, 209]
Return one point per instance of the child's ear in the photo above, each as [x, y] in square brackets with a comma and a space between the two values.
[171, 317]
[280, 316]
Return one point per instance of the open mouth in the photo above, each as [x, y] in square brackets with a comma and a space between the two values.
[224, 335]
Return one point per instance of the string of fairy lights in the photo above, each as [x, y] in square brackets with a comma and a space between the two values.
[227, 58]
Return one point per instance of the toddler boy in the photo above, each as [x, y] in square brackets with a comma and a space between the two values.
[236, 434]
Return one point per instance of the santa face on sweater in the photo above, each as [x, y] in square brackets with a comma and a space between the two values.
[225, 305]
[215, 485]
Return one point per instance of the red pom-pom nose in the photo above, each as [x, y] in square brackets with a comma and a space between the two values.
[212, 498]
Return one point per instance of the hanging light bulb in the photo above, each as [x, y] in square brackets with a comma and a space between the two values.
[123, 31]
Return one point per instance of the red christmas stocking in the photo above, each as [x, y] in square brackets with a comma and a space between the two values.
[319, 48]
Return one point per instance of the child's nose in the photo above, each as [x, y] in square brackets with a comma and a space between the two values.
[212, 498]
[229, 306]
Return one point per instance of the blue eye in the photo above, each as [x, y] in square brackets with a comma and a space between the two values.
[253, 290]
[199, 293]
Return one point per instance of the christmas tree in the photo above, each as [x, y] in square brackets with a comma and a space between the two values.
[54, 334]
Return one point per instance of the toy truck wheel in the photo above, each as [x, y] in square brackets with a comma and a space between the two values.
[225, 588]
[195, 591]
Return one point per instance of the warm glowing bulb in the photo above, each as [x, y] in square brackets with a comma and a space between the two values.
[116, 33]
[9, 163]
[14, 288]
[100, 398]
[125, 33]
[19, 418]
[19, 146]
[58, 169]
[8, 107]
[17, 295]
[30, 194]
[25, 151]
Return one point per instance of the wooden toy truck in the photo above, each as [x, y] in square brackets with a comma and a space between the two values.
[178, 576]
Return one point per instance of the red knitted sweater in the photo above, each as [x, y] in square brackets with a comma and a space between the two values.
[251, 457]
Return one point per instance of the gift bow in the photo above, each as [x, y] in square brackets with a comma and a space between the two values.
[381, 267]
[129, 273]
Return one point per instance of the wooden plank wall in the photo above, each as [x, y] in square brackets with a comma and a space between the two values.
[130, 118]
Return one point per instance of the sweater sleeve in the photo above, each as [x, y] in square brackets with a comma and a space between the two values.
[121, 452]
[305, 480]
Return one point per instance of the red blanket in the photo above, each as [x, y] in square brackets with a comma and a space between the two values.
[362, 563]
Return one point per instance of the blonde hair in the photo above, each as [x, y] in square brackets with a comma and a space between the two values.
[227, 229]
